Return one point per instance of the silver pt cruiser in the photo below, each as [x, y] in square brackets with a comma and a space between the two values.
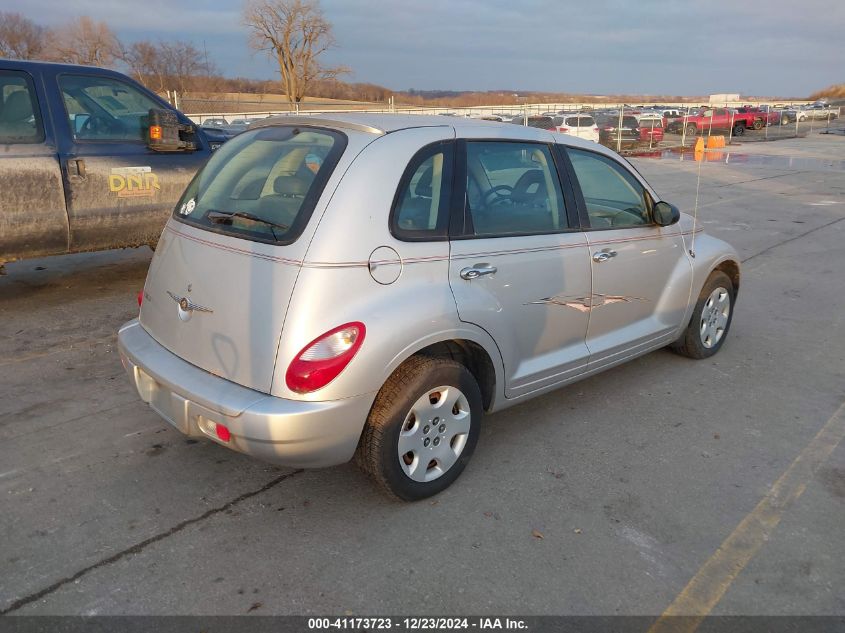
[368, 285]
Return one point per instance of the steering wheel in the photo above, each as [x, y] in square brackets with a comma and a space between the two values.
[496, 191]
[97, 124]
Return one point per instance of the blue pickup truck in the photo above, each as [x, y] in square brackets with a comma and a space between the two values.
[89, 160]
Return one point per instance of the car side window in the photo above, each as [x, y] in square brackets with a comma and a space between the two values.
[20, 120]
[105, 109]
[613, 196]
[513, 189]
[421, 207]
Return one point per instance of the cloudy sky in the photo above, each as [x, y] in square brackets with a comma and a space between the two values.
[755, 47]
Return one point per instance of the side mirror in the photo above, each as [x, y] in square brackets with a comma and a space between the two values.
[164, 132]
[665, 214]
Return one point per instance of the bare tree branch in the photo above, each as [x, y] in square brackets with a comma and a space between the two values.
[20, 37]
[84, 41]
[295, 34]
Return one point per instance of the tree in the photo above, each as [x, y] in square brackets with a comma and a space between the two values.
[176, 65]
[295, 34]
[145, 64]
[20, 37]
[85, 41]
[184, 63]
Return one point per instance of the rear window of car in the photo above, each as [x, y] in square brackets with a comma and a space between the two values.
[649, 123]
[582, 121]
[542, 122]
[630, 121]
[263, 184]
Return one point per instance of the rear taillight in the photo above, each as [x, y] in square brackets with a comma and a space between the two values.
[563, 129]
[324, 358]
[140, 297]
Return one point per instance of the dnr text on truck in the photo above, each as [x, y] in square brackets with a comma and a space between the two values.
[80, 169]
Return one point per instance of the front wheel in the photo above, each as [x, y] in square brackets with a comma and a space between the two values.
[711, 319]
[784, 120]
[422, 428]
[739, 129]
[692, 130]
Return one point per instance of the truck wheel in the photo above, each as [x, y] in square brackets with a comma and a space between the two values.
[692, 130]
[739, 129]
[758, 124]
[711, 319]
[784, 120]
[422, 429]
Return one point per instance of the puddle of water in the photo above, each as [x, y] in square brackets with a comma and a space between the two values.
[754, 160]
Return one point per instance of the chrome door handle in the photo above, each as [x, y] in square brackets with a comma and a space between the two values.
[603, 256]
[477, 270]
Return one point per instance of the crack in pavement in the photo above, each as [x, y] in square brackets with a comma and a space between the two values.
[791, 239]
[138, 547]
[81, 416]
[83, 344]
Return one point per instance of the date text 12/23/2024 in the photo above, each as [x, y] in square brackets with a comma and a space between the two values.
[416, 623]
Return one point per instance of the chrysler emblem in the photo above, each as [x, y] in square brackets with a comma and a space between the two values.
[186, 306]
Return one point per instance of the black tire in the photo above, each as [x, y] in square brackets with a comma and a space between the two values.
[692, 130]
[758, 124]
[377, 453]
[690, 344]
[739, 129]
[784, 120]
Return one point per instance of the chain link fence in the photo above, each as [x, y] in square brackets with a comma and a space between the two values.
[627, 128]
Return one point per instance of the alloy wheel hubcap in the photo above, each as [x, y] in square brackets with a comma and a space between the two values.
[714, 317]
[434, 433]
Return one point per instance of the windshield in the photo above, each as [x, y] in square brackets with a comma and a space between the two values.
[580, 121]
[263, 184]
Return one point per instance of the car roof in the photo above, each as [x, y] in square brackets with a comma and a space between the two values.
[29, 64]
[381, 123]
[372, 122]
[386, 123]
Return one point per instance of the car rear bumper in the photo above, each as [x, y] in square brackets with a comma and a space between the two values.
[285, 432]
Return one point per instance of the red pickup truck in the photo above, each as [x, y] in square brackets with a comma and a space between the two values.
[716, 119]
[763, 116]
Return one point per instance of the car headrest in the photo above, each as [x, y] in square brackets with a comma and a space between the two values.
[526, 181]
[18, 107]
[423, 188]
[290, 186]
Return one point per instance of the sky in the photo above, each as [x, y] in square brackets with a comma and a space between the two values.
[673, 47]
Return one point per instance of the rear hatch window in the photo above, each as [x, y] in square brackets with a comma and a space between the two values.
[263, 184]
[580, 121]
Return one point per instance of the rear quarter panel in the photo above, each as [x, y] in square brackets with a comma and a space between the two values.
[335, 285]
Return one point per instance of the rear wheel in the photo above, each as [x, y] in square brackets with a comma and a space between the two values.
[422, 429]
[784, 120]
[711, 319]
[758, 124]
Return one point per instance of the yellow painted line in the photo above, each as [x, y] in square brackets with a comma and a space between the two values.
[713, 579]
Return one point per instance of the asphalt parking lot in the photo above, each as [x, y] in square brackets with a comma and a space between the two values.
[606, 497]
